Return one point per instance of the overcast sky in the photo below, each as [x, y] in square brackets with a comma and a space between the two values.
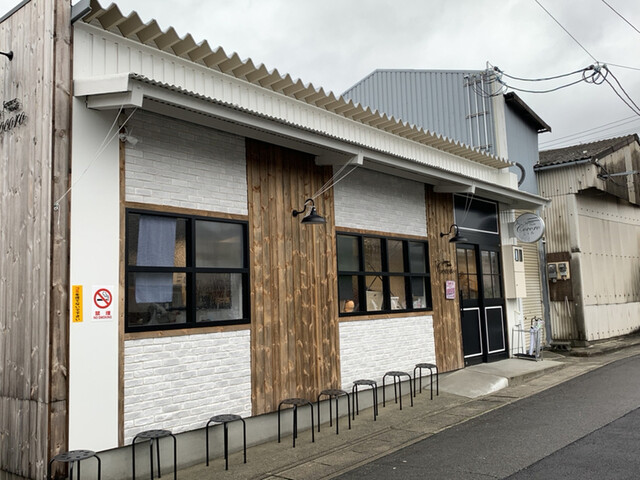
[335, 43]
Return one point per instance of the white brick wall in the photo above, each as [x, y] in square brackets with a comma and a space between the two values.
[181, 164]
[178, 383]
[375, 201]
[370, 348]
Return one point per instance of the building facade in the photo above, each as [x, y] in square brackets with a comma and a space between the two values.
[592, 244]
[470, 107]
[191, 288]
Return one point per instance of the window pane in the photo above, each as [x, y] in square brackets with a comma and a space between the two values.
[497, 290]
[419, 292]
[417, 257]
[473, 286]
[462, 260]
[348, 253]
[495, 269]
[396, 256]
[156, 298]
[156, 241]
[218, 296]
[398, 293]
[348, 293]
[374, 295]
[487, 285]
[219, 245]
[372, 254]
[471, 261]
[486, 263]
[463, 279]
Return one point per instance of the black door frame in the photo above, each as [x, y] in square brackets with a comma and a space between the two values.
[477, 220]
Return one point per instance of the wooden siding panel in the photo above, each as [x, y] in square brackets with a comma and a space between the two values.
[34, 161]
[294, 341]
[446, 313]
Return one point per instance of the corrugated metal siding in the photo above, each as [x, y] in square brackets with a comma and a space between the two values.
[605, 238]
[561, 314]
[435, 100]
[610, 260]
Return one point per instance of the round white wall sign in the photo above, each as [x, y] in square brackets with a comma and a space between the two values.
[528, 228]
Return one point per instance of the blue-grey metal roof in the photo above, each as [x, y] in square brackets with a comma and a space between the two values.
[433, 99]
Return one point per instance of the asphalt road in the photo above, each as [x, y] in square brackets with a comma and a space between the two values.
[586, 428]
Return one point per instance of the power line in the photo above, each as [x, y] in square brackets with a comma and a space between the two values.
[637, 109]
[594, 130]
[623, 66]
[555, 77]
[567, 31]
[622, 17]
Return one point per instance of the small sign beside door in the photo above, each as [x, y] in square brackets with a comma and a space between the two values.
[450, 290]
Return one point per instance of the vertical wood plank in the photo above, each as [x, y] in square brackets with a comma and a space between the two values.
[299, 275]
[447, 329]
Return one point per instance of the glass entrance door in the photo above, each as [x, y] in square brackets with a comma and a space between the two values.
[481, 303]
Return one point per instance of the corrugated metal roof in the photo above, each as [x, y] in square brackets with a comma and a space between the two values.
[585, 151]
[133, 28]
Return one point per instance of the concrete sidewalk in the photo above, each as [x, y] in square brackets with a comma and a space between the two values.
[464, 394]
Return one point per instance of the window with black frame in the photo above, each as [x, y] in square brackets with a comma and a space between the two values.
[382, 274]
[184, 271]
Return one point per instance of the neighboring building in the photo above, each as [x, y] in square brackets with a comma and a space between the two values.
[593, 239]
[468, 107]
[154, 274]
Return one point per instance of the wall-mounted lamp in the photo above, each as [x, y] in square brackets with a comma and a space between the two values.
[130, 139]
[312, 217]
[456, 234]
[8, 54]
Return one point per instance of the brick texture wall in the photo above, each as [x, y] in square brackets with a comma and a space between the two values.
[376, 201]
[369, 348]
[181, 164]
[178, 383]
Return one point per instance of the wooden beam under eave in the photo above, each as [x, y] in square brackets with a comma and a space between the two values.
[60, 231]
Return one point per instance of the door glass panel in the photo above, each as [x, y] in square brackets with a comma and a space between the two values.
[495, 268]
[486, 262]
[487, 286]
[471, 261]
[462, 260]
[497, 291]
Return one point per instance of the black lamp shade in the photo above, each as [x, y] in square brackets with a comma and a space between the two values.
[313, 218]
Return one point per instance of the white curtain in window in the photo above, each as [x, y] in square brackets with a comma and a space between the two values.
[156, 248]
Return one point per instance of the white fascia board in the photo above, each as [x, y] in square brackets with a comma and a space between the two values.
[117, 83]
[178, 104]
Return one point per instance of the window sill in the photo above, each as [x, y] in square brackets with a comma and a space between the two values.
[383, 316]
[179, 332]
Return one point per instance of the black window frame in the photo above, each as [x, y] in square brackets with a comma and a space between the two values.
[190, 270]
[362, 273]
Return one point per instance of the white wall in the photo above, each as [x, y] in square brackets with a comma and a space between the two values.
[95, 227]
[178, 383]
[375, 201]
[378, 202]
[181, 164]
[370, 348]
